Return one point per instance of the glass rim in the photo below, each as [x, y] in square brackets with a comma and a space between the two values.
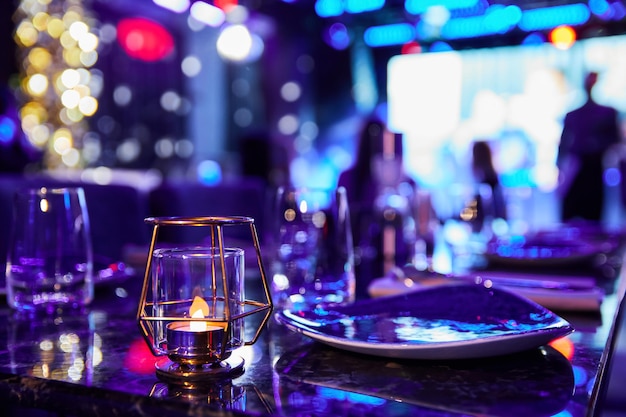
[197, 252]
[54, 190]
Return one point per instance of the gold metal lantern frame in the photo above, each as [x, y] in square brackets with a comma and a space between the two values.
[193, 308]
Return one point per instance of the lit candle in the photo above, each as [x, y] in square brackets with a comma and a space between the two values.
[199, 309]
[195, 341]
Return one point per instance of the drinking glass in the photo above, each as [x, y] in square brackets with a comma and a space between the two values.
[49, 261]
[426, 230]
[313, 255]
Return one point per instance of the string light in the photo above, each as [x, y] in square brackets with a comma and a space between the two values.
[57, 47]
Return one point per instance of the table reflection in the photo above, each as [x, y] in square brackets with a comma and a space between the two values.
[54, 347]
[539, 382]
[98, 364]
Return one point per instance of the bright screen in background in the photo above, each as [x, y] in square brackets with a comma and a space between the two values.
[513, 97]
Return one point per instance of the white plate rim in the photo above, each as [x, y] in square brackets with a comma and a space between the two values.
[492, 345]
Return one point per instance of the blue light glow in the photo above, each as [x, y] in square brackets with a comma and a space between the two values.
[580, 376]
[598, 7]
[500, 19]
[328, 8]
[618, 11]
[497, 20]
[440, 46]
[420, 6]
[337, 36]
[534, 39]
[396, 34]
[551, 17]
[612, 177]
[209, 172]
[519, 178]
[360, 6]
[465, 27]
[353, 397]
[7, 129]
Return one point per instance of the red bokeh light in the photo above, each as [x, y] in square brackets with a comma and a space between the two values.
[139, 358]
[411, 48]
[225, 5]
[144, 39]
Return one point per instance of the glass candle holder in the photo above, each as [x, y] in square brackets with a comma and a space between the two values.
[193, 308]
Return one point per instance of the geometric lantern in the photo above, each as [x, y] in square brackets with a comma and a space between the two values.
[193, 307]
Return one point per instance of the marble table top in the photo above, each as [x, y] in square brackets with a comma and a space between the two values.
[96, 363]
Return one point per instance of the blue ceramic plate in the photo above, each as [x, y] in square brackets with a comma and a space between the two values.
[447, 322]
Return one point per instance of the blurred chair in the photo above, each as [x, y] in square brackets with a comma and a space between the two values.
[117, 214]
[245, 197]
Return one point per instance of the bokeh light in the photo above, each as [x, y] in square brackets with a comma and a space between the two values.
[177, 6]
[234, 43]
[191, 66]
[58, 44]
[290, 91]
[563, 37]
[207, 14]
[144, 39]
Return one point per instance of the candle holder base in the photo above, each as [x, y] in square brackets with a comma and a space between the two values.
[193, 375]
[222, 394]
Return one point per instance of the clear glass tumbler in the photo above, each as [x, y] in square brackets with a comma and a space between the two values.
[50, 260]
[313, 262]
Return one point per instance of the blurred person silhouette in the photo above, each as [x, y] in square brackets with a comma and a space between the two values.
[485, 173]
[264, 159]
[588, 132]
[376, 174]
[359, 178]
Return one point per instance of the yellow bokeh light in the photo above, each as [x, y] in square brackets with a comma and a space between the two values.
[61, 144]
[67, 41]
[64, 118]
[34, 109]
[563, 37]
[70, 98]
[70, 17]
[88, 59]
[56, 27]
[74, 115]
[71, 157]
[26, 34]
[78, 29]
[40, 21]
[88, 42]
[58, 46]
[62, 132]
[58, 83]
[83, 90]
[39, 135]
[88, 105]
[39, 58]
[85, 75]
[37, 85]
[29, 122]
[61, 140]
[72, 57]
[70, 78]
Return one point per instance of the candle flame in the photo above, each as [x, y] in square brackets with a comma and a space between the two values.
[199, 309]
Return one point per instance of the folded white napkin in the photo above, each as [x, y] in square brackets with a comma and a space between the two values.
[571, 293]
